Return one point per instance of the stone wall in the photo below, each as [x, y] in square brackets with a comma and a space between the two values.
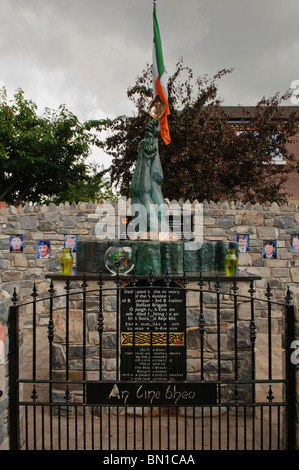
[221, 221]
[4, 338]
[225, 330]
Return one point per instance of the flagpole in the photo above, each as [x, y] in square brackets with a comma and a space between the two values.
[159, 78]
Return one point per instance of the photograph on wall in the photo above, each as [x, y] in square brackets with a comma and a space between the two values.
[70, 241]
[243, 243]
[43, 249]
[295, 243]
[269, 249]
[16, 243]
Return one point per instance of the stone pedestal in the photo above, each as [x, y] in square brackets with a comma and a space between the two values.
[176, 257]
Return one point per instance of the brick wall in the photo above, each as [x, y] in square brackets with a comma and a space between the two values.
[292, 185]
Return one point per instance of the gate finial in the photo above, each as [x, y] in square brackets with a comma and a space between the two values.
[14, 297]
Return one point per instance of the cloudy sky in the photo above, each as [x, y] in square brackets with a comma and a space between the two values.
[86, 53]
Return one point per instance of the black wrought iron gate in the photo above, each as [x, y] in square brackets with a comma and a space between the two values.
[82, 378]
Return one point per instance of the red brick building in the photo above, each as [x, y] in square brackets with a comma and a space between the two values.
[292, 185]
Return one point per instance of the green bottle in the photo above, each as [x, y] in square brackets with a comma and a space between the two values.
[231, 263]
[66, 262]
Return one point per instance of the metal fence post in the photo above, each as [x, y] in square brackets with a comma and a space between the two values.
[291, 379]
[13, 361]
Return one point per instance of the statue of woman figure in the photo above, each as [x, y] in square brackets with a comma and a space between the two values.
[146, 186]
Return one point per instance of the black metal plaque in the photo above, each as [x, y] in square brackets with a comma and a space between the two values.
[151, 394]
[181, 225]
[153, 331]
[124, 232]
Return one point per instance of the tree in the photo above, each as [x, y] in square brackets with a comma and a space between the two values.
[92, 185]
[42, 158]
[206, 159]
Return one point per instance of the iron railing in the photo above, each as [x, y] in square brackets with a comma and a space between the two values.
[57, 368]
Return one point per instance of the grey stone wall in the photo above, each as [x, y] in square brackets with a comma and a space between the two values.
[4, 433]
[221, 221]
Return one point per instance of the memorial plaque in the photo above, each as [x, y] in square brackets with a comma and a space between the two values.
[152, 394]
[181, 225]
[153, 331]
[124, 232]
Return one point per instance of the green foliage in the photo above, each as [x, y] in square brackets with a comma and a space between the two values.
[42, 158]
[207, 158]
[92, 186]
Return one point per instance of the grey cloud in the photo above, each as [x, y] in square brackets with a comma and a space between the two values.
[86, 53]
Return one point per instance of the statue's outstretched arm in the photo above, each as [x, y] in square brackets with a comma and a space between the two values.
[152, 129]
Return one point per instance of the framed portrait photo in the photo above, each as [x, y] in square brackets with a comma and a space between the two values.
[243, 243]
[43, 249]
[70, 241]
[295, 243]
[16, 243]
[269, 249]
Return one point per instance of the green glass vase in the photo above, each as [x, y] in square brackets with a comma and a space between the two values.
[66, 262]
[231, 263]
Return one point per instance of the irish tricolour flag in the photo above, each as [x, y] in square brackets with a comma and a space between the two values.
[159, 79]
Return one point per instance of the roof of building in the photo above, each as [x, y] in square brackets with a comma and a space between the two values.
[236, 113]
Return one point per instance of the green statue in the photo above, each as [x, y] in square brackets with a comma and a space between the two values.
[146, 187]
